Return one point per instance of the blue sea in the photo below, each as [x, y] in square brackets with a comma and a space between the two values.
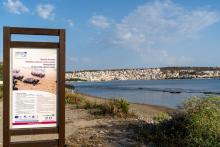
[168, 93]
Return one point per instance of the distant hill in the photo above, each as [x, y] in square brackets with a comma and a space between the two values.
[196, 68]
[145, 74]
[191, 68]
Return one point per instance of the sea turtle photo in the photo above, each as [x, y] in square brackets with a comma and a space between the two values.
[31, 81]
[38, 73]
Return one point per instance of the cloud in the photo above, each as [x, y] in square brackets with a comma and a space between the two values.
[15, 6]
[99, 21]
[86, 60]
[46, 11]
[169, 59]
[70, 23]
[73, 59]
[161, 22]
[79, 60]
[154, 27]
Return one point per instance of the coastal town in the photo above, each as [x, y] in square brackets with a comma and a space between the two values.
[145, 74]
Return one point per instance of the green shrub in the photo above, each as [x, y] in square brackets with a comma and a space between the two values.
[115, 107]
[74, 98]
[197, 124]
[119, 106]
[161, 117]
[203, 117]
[90, 105]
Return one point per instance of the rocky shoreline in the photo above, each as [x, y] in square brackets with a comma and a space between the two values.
[145, 74]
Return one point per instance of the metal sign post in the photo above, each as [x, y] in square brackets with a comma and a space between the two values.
[34, 87]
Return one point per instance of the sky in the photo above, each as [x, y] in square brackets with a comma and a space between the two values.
[112, 34]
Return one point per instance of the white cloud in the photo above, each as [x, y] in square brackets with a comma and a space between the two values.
[99, 21]
[70, 23]
[73, 59]
[15, 6]
[46, 11]
[79, 60]
[86, 60]
[154, 27]
[161, 22]
[169, 59]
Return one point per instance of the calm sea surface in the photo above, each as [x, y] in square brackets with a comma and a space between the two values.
[169, 93]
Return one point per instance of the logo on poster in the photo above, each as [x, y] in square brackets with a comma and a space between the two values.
[20, 55]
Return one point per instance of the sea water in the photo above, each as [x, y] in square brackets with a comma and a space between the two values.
[168, 93]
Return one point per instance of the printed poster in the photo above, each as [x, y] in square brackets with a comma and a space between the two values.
[33, 87]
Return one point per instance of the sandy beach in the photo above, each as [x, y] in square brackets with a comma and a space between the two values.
[141, 110]
[83, 128]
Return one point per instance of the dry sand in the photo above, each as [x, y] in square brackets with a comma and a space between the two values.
[85, 129]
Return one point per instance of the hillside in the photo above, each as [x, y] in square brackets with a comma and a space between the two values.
[145, 73]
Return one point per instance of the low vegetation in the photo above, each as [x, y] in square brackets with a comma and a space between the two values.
[198, 124]
[115, 107]
[75, 99]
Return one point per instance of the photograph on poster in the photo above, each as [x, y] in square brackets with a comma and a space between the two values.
[33, 87]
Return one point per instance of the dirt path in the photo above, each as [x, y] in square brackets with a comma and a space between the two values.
[82, 128]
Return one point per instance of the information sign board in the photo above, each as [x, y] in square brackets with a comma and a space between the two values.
[33, 87]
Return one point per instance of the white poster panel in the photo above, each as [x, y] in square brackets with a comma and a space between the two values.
[33, 87]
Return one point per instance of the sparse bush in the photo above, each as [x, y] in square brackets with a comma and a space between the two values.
[90, 105]
[161, 117]
[198, 124]
[74, 98]
[203, 117]
[115, 107]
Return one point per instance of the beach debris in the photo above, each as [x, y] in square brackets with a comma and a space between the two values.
[38, 73]
[31, 81]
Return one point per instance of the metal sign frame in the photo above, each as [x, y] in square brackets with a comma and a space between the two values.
[60, 128]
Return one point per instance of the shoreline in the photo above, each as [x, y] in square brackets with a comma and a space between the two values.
[105, 99]
[143, 111]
